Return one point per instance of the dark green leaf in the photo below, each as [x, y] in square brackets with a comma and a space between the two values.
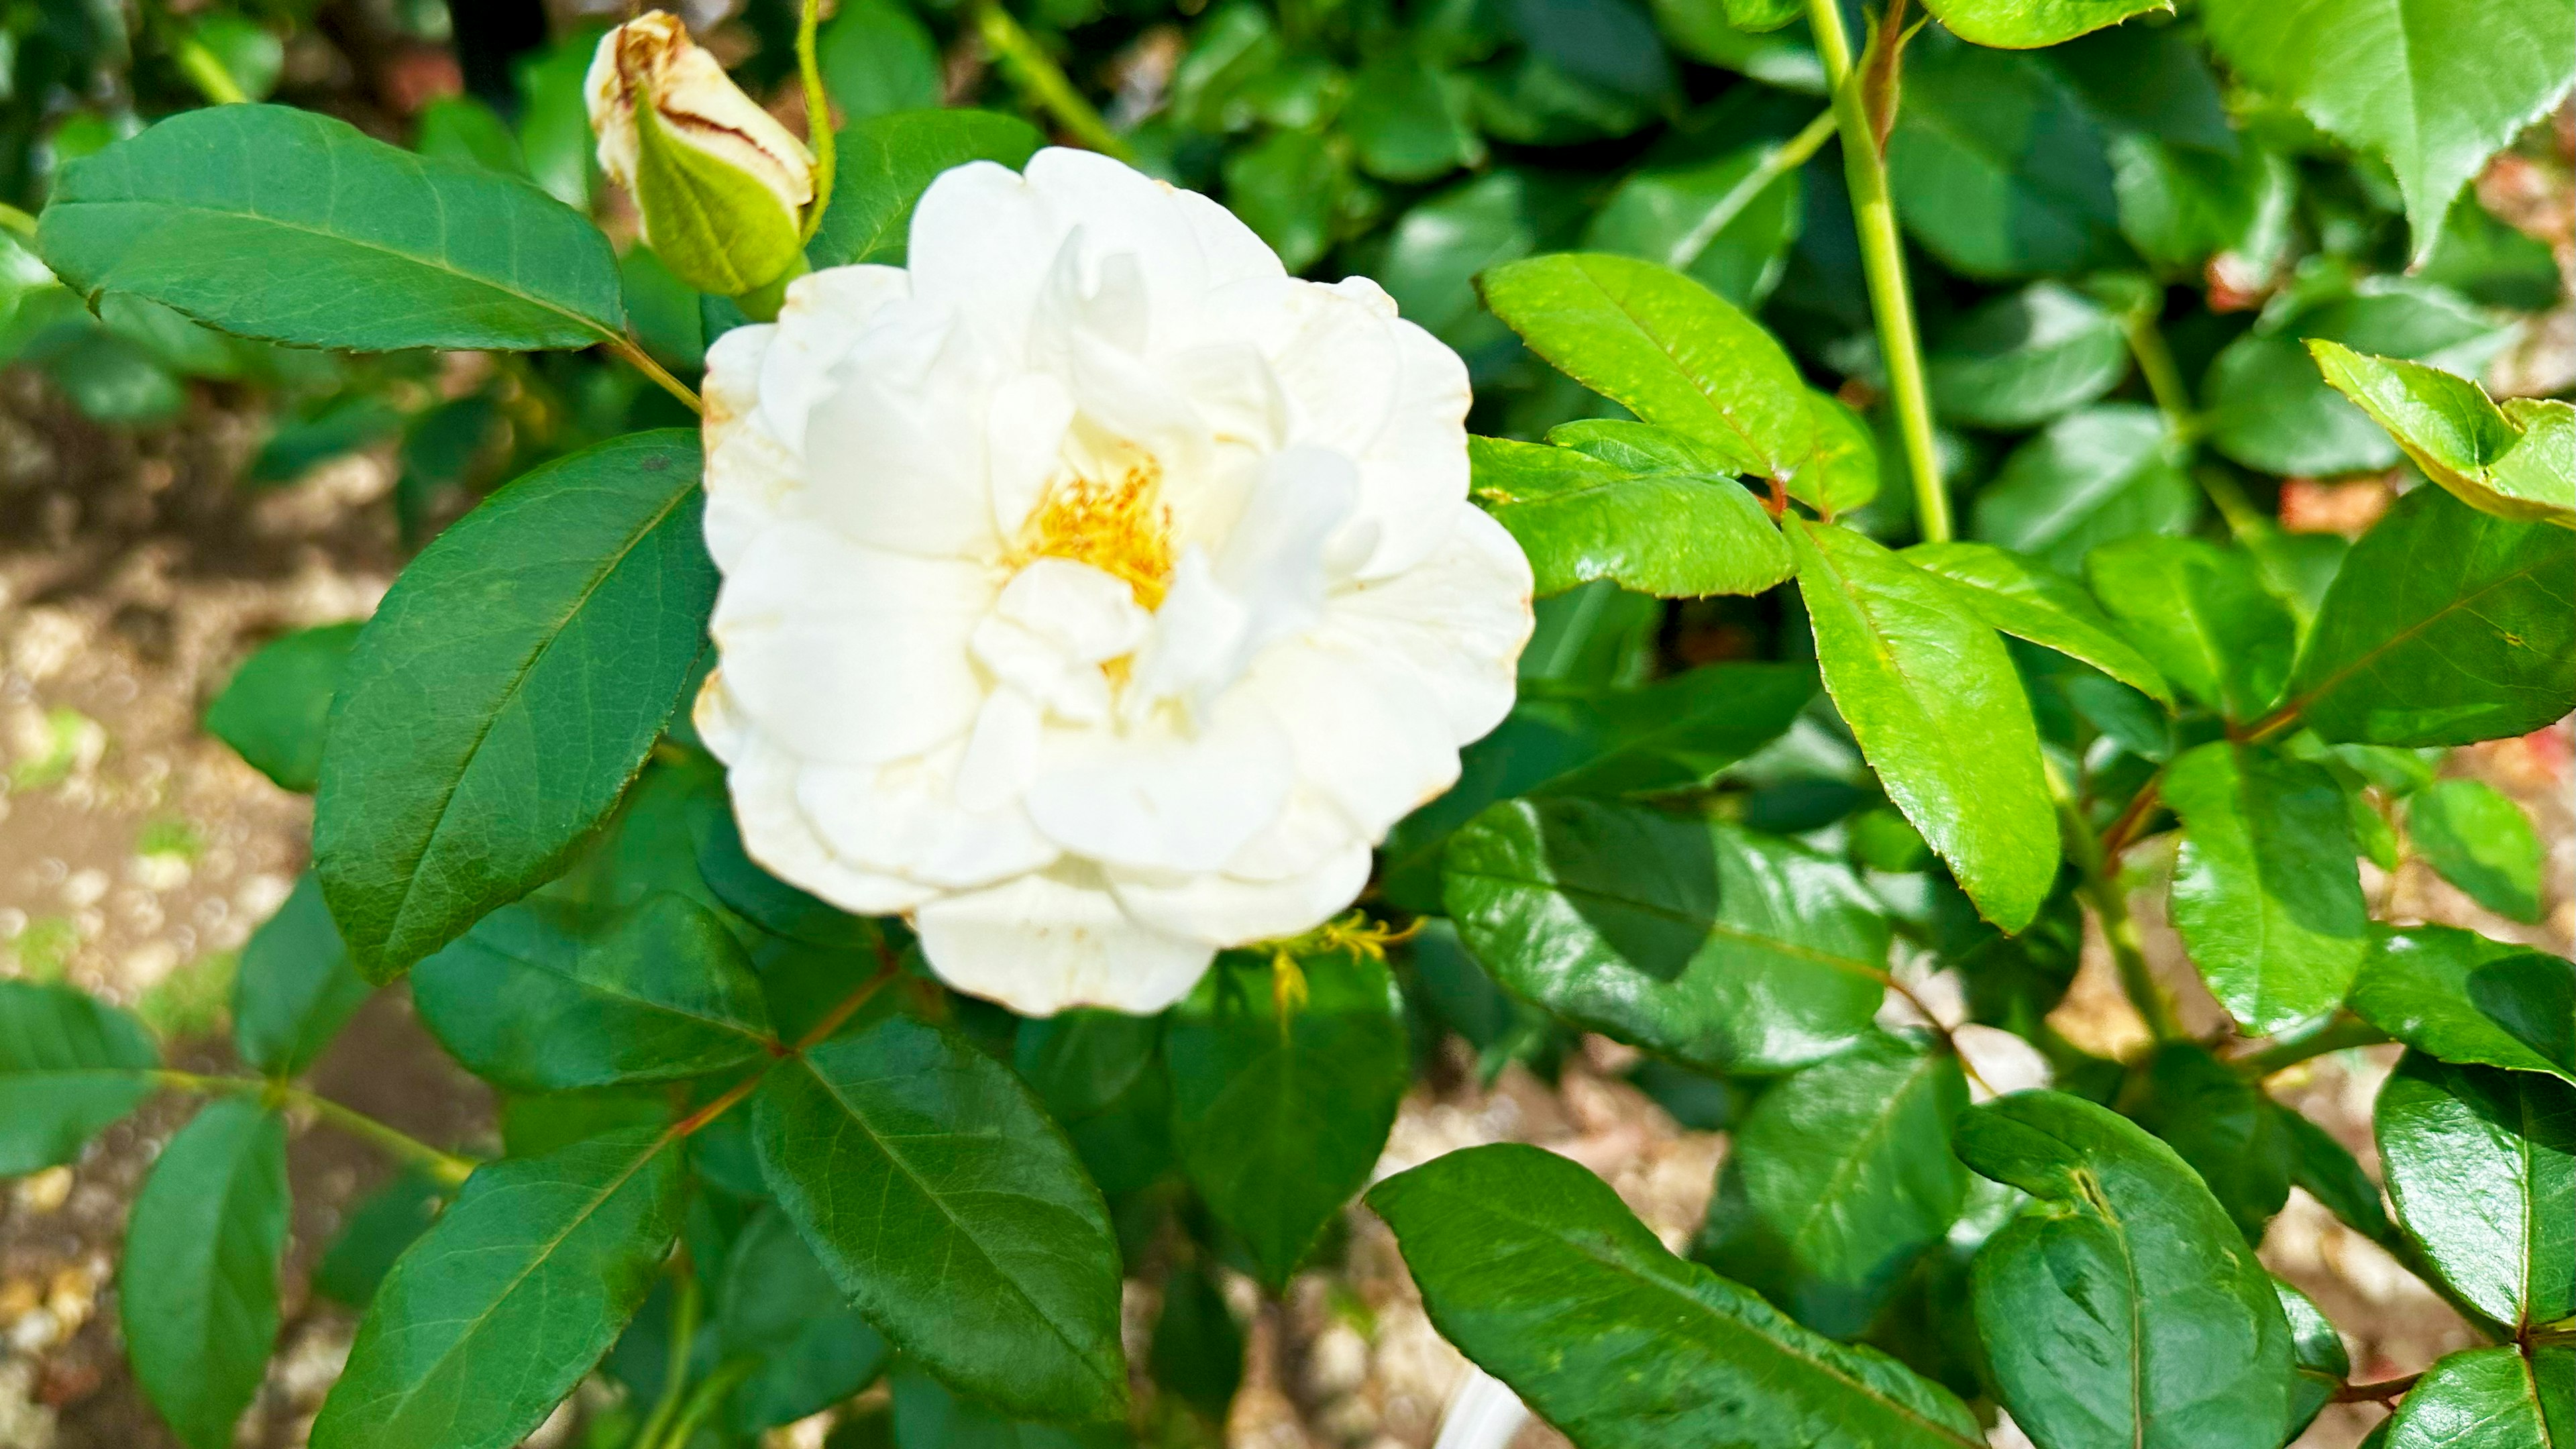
[506, 692]
[488, 1321]
[1290, 188]
[2201, 613]
[1673, 352]
[1703, 30]
[943, 1201]
[2105, 473]
[2482, 1166]
[532, 1001]
[2028, 600]
[69, 1065]
[1704, 942]
[777, 1306]
[2488, 1398]
[885, 163]
[1099, 1077]
[2123, 1307]
[1848, 1162]
[2446, 626]
[1278, 1123]
[1437, 247]
[1658, 529]
[1533, 1268]
[1996, 167]
[465, 130]
[2222, 1125]
[771, 903]
[1198, 1349]
[296, 988]
[878, 58]
[1721, 220]
[1939, 712]
[2027, 357]
[2318, 1353]
[2023, 24]
[271, 222]
[2518, 462]
[374, 1234]
[927, 1416]
[1407, 118]
[2481, 842]
[198, 1286]
[2266, 889]
[2425, 986]
[274, 711]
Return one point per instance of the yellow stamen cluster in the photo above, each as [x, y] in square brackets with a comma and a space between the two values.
[1118, 527]
[1351, 935]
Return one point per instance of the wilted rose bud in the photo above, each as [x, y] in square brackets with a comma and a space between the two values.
[721, 184]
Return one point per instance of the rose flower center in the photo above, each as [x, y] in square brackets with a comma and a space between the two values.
[1119, 526]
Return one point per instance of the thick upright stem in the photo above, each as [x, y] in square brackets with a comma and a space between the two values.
[1882, 254]
[818, 116]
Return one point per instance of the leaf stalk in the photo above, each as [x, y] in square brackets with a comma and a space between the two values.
[447, 1167]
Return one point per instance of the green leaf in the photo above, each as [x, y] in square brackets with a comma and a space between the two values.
[2482, 1166]
[2266, 889]
[2201, 613]
[69, 1065]
[1841, 473]
[883, 165]
[373, 1235]
[1698, 940]
[491, 1318]
[2518, 464]
[1673, 352]
[2267, 407]
[296, 988]
[878, 58]
[1099, 1074]
[1674, 531]
[1996, 167]
[2122, 1307]
[927, 1416]
[1291, 188]
[2434, 88]
[1716, 219]
[2327, 1171]
[2028, 600]
[2487, 1398]
[2445, 626]
[943, 1201]
[2318, 1353]
[274, 710]
[2027, 357]
[2108, 472]
[271, 222]
[1533, 1268]
[1848, 1162]
[1197, 1351]
[2024, 24]
[776, 1305]
[467, 131]
[2222, 1125]
[1278, 1122]
[506, 691]
[2481, 842]
[1407, 117]
[2426, 985]
[1939, 712]
[197, 1290]
[530, 1000]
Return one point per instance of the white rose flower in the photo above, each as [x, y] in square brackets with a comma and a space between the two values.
[1095, 593]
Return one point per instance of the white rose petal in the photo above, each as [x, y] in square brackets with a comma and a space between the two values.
[1094, 592]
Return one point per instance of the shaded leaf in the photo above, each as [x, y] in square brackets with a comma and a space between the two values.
[197, 1289]
[2318, 1354]
[2267, 407]
[778, 1306]
[2027, 357]
[2222, 1125]
[296, 988]
[69, 1065]
[2481, 842]
[1996, 167]
[2108, 472]
[274, 711]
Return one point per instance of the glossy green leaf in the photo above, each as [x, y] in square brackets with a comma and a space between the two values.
[2518, 462]
[1660, 531]
[2028, 600]
[271, 222]
[884, 163]
[1842, 471]
[2481, 842]
[2446, 626]
[296, 988]
[492, 1317]
[1673, 352]
[1996, 166]
[1278, 1123]
[2023, 24]
[2201, 613]
[2027, 357]
[2482, 1166]
[69, 1065]
[1939, 712]
[2266, 889]
[2266, 406]
[506, 691]
[2434, 88]
[1534, 1269]
[2430, 987]
[197, 1289]
[943, 1201]
[1848, 1162]
[778, 1307]
[2108, 472]
[2487, 1398]
[2223, 1126]
[2122, 1308]
[275, 709]
[2317, 1351]
[537, 1003]
[1707, 943]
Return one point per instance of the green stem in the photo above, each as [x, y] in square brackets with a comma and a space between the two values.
[675, 1371]
[447, 1167]
[2164, 378]
[818, 117]
[2333, 1034]
[1882, 255]
[636, 357]
[2245, 522]
[1043, 83]
[18, 223]
[1783, 159]
[207, 73]
[704, 1399]
[2101, 891]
